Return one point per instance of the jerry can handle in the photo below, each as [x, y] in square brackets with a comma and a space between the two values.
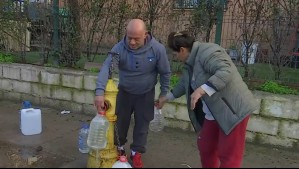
[29, 110]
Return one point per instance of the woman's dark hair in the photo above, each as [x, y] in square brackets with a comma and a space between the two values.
[176, 40]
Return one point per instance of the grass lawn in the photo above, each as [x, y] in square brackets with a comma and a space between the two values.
[36, 57]
[266, 72]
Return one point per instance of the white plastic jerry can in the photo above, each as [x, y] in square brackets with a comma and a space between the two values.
[31, 121]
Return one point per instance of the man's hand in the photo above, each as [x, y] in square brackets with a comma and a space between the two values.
[160, 103]
[99, 103]
[197, 94]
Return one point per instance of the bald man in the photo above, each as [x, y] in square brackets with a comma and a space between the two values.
[141, 59]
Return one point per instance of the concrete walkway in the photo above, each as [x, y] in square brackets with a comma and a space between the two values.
[57, 146]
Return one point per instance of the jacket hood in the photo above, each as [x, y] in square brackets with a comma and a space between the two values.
[191, 58]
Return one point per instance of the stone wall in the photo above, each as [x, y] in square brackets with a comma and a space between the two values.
[59, 88]
[275, 123]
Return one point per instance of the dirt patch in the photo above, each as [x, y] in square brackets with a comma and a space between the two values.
[12, 156]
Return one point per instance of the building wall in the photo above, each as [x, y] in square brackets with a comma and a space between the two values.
[15, 45]
[275, 123]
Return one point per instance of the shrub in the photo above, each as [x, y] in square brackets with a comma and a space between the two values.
[176, 67]
[6, 58]
[276, 88]
[94, 70]
[174, 80]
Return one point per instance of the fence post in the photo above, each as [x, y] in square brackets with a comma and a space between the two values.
[56, 45]
[219, 22]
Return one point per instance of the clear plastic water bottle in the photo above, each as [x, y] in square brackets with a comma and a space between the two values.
[97, 132]
[83, 134]
[157, 124]
[122, 163]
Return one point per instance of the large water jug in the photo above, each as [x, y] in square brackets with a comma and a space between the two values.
[157, 124]
[122, 163]
[97, 132]
[25, 105]
[31, 121]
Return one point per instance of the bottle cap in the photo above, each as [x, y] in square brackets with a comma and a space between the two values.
[26, 105]
[123, 159]
[102, 113]
[85, 125]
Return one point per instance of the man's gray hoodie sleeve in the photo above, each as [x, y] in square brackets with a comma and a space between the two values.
[164, 71]
[104, 74]
[103, 77]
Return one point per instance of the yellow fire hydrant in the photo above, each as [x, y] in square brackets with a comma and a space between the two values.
[107, 157]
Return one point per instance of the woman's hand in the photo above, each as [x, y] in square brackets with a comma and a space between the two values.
[160, 103]
[197, 94]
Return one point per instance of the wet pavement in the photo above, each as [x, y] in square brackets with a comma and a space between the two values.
[57, 145]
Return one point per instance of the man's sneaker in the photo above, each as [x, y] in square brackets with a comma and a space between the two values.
[136, 160]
